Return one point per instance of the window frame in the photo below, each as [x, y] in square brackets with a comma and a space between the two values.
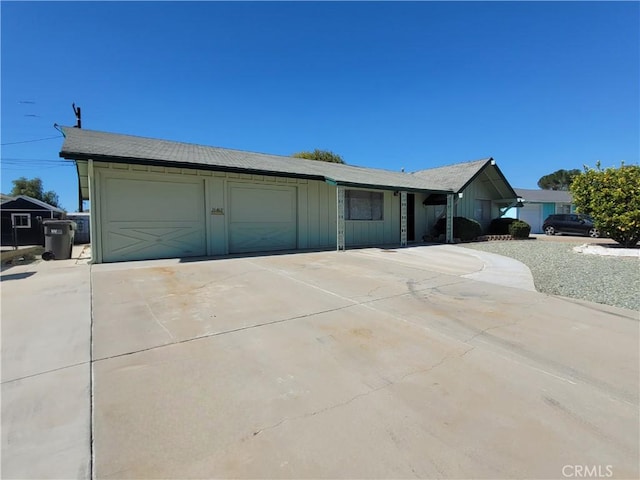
[15, 216]
[354, 195]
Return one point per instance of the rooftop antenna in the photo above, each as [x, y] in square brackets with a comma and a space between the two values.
[76, 110]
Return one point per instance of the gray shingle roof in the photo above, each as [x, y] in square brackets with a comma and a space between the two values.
[39, 203]
[453, 177]
[544, 196]
[82, 144]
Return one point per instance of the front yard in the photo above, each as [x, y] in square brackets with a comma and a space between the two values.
[558, 270]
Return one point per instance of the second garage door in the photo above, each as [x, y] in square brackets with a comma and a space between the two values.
[263, 218]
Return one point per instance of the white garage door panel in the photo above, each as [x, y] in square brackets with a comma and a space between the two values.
[262, 218]
[532, 214]
[146, 219]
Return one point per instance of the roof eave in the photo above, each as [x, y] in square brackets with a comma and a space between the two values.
[475, 175]
[490, 162]
[198, 166]
[186, 165]
[394, 188]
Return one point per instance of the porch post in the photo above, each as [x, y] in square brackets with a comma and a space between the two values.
[449, 229]
[403, 219]
[340, 243]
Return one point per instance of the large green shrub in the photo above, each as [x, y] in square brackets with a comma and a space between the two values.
[463, 228]
[500, 226]
[612, 197]
[519, 229]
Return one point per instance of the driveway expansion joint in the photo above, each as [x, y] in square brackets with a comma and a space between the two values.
[12, 380]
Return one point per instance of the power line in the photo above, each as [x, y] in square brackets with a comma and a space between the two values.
[31, 141]
[49, 160]
[39, 167]
[30, 163]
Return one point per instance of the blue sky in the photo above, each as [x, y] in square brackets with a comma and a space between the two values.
[539, 86]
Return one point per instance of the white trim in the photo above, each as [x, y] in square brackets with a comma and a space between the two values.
[403, 219]
[449, 221]
[35, 201]
[15, 215]
[340, 231]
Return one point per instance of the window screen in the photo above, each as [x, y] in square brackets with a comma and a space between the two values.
[362, 205]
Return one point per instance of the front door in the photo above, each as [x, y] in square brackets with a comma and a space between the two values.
[411, 217]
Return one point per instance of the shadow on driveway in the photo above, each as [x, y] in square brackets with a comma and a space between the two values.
[16, 276]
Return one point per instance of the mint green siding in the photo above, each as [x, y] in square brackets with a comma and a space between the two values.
[377, 232]
[155, 212]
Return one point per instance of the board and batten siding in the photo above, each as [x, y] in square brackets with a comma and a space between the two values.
[478, 190]
[200, 200]
[376, 232]
[154, 212]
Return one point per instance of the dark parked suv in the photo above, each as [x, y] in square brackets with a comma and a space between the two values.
[571, 223]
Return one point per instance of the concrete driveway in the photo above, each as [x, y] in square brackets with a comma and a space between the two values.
[364, 364]
[420, 362]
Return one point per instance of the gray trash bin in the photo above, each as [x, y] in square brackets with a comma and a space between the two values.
[58, 239]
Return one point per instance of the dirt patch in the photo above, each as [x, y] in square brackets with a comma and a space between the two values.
[22, 256]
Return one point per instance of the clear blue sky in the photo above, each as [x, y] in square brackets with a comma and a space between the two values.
[538, 86]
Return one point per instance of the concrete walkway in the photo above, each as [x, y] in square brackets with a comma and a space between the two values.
[46, 338]
[464, 262]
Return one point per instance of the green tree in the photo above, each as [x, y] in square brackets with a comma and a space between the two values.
[558, 180]
[612, 197]
[320, 155]
[33, 188]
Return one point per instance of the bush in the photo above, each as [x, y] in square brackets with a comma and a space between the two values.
[463, 228]
[519, 229]
[500, 226]
[612, 198]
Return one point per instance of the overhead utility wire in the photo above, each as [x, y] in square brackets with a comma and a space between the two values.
[31, 141]
[33, 160]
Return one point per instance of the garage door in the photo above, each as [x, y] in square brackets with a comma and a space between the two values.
[146, 219]
[532, 214]
[262, 218]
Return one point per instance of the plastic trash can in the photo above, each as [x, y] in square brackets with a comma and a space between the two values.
[58, 239]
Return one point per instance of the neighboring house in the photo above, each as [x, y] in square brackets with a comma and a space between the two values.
[82, 233]
[22, 218]
[160, 199]
[539, 204]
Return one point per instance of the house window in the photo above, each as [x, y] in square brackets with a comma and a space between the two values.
[21, 220]
[564, 208]
[363, 205]
[483, 210]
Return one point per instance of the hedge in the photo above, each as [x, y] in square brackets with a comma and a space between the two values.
[463, 228]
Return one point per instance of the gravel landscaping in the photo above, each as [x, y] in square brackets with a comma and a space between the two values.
[558, 270]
